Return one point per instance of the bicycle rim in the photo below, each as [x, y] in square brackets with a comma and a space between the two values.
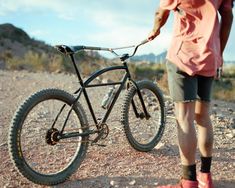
[38, 157]
[144, 133]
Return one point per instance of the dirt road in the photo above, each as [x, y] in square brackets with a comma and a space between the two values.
[117, 164]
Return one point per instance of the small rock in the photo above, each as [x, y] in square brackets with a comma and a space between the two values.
[132, 182]
[159, 145]
[155, 183]
[230, 110]
[230, 135]
[112, 182]
[6, 185]
[232, 123]
[3, 144]
[220, 118]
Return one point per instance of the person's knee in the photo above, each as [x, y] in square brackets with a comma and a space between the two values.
[202, 119]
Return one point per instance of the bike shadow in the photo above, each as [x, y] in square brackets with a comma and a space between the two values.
[121, 181]
[131, 182]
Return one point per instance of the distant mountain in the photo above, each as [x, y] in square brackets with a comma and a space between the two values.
[152, 58]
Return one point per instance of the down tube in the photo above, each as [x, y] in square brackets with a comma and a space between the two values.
[95, 75]
[124, 79]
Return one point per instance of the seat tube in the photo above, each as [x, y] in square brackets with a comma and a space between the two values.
[76, 69]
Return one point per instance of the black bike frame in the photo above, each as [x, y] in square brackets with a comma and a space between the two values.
[84, 85]
[87, 84]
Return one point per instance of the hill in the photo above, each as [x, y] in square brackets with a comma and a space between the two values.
[19, 51]
[17, 42]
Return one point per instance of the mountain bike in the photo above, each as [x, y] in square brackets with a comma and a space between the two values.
[50, 134]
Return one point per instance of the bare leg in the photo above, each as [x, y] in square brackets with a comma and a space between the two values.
[205, 130]
[185, 114]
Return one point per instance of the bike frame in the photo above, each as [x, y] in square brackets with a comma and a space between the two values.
[86, 84]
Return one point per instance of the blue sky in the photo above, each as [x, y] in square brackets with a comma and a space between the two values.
[104, 23]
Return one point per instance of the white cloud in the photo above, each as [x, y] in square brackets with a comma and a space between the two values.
[62, 8]
[72, 9]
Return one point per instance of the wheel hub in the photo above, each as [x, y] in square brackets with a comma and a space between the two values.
[52, 136]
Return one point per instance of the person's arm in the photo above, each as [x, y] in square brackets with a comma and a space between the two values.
[225, 27]
[161, 16]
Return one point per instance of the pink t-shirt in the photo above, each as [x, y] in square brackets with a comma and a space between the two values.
[195, 47]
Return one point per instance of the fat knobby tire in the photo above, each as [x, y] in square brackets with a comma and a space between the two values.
[145, 84]
[15, 131]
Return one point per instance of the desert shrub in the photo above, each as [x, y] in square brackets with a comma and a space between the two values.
[224, 89]
[35, 62]
[150, 71]
[229, 72]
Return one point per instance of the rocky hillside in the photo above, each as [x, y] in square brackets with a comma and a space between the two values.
[16, 46]
[17, 42]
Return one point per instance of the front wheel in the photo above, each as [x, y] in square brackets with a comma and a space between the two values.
[143, 133]
[34, 146]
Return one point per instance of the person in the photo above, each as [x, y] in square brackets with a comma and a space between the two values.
[194, 56]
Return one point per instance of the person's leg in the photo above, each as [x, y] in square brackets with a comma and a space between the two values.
[187, 139]
[202, 116]
[205, 143]
[205, 131]
[184, 112]
[183, 91]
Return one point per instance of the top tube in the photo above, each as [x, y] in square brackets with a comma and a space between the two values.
[69, 50]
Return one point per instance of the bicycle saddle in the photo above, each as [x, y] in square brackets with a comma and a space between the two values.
[67, 50]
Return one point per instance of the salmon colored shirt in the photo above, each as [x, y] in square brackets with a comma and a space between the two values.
[195, 47]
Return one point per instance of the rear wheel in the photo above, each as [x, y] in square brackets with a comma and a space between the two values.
[35, 147]
[143, 133]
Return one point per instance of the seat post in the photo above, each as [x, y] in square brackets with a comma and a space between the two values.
[76, 69]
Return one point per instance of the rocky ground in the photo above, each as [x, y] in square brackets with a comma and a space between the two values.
[117, 164]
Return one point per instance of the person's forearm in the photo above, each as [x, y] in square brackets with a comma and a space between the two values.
[225, 28]
[160, 19]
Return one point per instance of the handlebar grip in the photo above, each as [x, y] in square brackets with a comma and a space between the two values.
[144, 41]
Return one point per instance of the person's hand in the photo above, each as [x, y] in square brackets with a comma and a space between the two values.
[152, 35]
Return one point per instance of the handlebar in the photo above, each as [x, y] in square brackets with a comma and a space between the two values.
[69, 50]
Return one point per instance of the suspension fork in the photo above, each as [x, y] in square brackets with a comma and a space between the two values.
[146, 114]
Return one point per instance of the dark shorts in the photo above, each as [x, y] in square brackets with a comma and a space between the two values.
[185, 88]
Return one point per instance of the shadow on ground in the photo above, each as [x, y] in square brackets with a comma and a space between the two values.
[131, 182]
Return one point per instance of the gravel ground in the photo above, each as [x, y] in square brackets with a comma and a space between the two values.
[117, 164]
